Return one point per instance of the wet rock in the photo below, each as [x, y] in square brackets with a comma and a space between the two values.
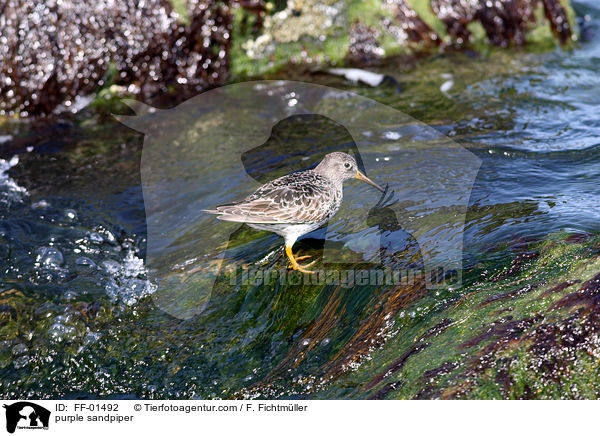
[408, 26]
[443, 369]
[553, 345]
[21, 361]
[505, 21]
[588, 296]
[455, 14]
[420, 344]
[559, 22]
[364, 47]
[255, 7]
[394, 367]
[88, 311]
[560, 287]
[19, 349]
[332, 32]
[54, 52]
[57, 55]
[518, 263]
[7, 313]
[383, 392]
[46, 310]
[511, 294]
[578, 237]
[506, 329]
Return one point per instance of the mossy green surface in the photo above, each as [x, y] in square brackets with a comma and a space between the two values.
[455, 363]
[329, 46]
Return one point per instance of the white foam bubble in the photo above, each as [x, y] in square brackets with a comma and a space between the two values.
[127, 281]
[10, 191]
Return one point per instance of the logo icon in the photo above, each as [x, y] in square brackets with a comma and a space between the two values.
[223, 144]
[26, 415]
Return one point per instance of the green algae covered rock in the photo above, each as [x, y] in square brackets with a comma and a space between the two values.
[313, 32]
[529, 331]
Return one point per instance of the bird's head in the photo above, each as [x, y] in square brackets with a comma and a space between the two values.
[341, 166]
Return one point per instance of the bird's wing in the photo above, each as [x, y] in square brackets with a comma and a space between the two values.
[290, 199]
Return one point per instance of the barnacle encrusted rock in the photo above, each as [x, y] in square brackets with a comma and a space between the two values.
[406, 24]
[364, 46]
[311, 20]
[54, 50]
[505, 21]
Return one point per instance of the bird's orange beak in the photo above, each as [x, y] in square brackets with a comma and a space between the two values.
[361, 176]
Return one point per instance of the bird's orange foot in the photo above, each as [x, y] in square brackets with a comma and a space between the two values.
[294, 261]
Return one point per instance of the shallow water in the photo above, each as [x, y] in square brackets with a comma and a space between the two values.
[79, 311]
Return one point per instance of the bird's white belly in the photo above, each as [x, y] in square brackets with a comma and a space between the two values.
[290, 232]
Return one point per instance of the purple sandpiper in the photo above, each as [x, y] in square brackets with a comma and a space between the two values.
[297, 203]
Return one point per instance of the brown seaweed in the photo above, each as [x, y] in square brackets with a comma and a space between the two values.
[419, 345]
[505, 21]
[408, 25]
[511, 294]
[553, 343]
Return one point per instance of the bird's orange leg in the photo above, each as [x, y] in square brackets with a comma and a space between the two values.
[295, 264]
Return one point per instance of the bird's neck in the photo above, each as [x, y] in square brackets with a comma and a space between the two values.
[337, 182]
[321, 169]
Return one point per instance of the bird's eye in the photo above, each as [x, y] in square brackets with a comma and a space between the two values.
[347, 164]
